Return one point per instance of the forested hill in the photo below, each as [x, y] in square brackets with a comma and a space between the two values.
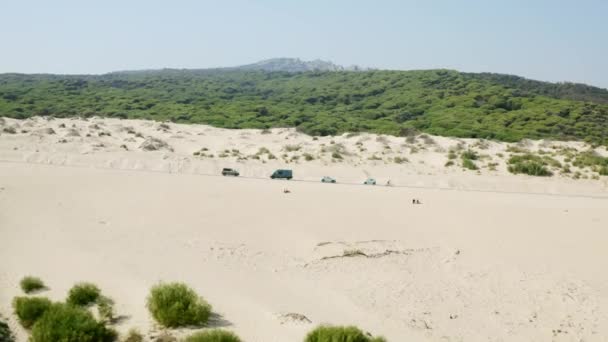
[440, 102]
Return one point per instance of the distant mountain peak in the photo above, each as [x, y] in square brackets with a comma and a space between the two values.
[296, 65]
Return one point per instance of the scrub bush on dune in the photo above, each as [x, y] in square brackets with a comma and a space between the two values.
[340, 334]
[176, 304]
[83, 294]
[214, 335]
[29, 309]
[68, 323]
[31, 284]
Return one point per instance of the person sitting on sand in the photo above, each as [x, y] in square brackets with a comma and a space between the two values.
[286, 191]
[413, 201]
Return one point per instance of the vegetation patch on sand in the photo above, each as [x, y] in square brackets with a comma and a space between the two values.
[31, 284]
[68, 323]
[339, 333]
[177, 305]
[529, 164]
[213, 335]
[29, 309]
[83, 294]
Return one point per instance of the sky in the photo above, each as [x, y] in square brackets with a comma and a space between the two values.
[550, 40]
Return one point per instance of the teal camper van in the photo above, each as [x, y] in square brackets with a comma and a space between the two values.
[282, 174]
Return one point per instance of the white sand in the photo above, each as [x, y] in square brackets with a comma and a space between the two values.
[464, 266]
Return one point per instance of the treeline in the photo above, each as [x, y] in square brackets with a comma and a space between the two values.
[440, 102]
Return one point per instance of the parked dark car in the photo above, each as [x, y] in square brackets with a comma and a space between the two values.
[282, 174]
[230, 172]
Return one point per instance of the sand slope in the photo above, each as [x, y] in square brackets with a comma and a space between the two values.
[463, 266]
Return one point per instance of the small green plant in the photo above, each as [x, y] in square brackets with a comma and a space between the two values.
[176, 304]
[68, 323]
[31, 284]
[133, 336]
[517, 149]
[29, 309]
[291, 148]
[400, 160]
[213, 335]
[336, 155]
[308, 156]
[449, 163]
[83, 294]
[469, 164]
[492, 166]
[353, 253]
[469, 154]
[340, 334]
[452, 155]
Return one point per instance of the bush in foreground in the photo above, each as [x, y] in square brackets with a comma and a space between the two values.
[29, 309]
[340, 334]
[31, 284]
[83, 294]
[214, 335]
[175, 305]
[67, 323]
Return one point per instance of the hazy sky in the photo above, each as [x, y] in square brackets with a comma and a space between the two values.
[550, 40]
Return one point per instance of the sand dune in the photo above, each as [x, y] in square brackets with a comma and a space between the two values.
[521, 259]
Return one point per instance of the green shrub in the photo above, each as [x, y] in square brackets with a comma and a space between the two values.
[214, 335]
[340, 334]
[469, 164]
[528, 164]
[31, 284]
[292, 148]
[336, 155]
[134, 336]
[6, 335]
[29, 309]
[400, 160]
[449, 163]
[67, 323]
[175, 305]
[590, 159]
[469, 154]
[308, 156]
[603, 171]
[83, 294]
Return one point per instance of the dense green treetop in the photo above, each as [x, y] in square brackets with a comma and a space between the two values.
[441, 102]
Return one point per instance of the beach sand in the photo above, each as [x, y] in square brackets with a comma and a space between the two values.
[487, 256]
